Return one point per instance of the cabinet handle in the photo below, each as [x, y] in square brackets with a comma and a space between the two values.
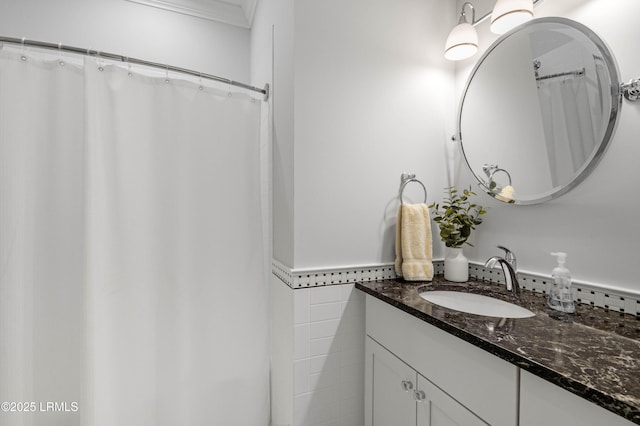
[407, 385]
[419, 395]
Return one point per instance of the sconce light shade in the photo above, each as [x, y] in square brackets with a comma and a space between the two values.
[508, 14]
[462, 42]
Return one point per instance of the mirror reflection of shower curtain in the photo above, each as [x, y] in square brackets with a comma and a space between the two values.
[131, 255]
[568, 124]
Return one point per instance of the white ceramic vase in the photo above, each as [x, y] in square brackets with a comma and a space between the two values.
[456, 265]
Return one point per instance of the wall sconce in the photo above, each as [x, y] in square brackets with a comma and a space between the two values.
[462, 42]
[509, 14]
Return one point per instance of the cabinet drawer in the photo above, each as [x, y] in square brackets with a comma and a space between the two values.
[483, 383]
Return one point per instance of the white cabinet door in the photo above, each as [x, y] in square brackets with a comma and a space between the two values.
[543, 403]
[396, 395]
[390, 383]
[436, 408]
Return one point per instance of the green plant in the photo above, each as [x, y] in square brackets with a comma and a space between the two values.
[457, 217]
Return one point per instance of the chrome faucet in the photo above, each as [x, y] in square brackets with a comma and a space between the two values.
[508, 264]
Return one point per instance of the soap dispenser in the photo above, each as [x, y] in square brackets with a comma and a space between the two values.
[560, 297]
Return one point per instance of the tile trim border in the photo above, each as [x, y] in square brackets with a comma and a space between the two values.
[613, 299]
[317, 277]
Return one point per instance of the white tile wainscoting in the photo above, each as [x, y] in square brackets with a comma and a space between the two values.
[304, 278]
[329, 340]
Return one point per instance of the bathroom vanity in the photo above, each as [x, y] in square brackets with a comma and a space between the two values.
[428, 365]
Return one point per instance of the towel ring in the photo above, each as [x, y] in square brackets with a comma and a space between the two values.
[492, 169]
[407, 178]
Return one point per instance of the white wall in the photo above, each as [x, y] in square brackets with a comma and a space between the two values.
[373, 98]
[134, 30]
[361, 93]
[272, 40]
[596, 222]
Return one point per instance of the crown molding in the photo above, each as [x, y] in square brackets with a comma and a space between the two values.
[238, 12]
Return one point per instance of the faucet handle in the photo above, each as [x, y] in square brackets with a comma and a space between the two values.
[509, 256]
[506, 250]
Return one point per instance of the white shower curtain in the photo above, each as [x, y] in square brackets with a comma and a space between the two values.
[131, 254]
[570, 130]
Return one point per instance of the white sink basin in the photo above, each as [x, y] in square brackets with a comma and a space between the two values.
[476, 304]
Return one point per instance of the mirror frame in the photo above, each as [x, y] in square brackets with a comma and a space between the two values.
[616, 104]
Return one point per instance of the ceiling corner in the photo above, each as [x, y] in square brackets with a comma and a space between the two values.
[233, 12]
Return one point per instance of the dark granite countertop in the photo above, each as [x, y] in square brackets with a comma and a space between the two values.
[594, 353]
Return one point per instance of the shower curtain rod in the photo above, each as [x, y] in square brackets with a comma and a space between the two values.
[98, 54]
[578, 73]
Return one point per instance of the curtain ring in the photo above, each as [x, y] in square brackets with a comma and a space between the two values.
[129, 73]
[100, 65]
[22, 55]
[60, 61]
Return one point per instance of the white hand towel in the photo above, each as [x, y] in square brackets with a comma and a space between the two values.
[413, 243]
[506, 194]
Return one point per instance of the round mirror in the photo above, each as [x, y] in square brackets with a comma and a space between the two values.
[538, 110]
